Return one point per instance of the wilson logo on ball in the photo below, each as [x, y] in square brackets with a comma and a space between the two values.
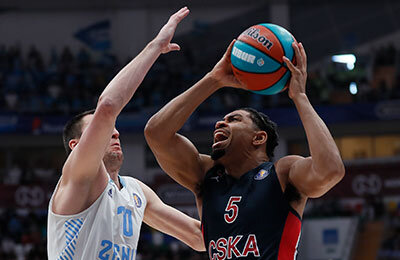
[255, 34]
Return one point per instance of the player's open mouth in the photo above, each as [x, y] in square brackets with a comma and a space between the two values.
[220, 138]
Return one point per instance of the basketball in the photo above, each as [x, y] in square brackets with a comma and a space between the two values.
[256, 58]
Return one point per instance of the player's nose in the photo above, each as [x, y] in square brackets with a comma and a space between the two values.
[115, 134]
[220, 124]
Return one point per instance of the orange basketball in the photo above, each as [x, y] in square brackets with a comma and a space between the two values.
[256, 58]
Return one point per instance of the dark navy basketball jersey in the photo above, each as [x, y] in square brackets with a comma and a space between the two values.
[248, 218]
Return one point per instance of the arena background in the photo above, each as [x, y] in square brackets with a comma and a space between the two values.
[57, 56]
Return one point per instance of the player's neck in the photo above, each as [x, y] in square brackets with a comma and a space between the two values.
[236, 167]
[114, 173]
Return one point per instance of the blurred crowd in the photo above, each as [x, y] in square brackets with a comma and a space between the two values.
[23, 234]
[68, 82]
[390, 249]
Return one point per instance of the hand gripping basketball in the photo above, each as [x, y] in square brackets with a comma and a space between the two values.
[298, 80]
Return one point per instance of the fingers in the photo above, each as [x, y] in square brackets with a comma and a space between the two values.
[290, 65]
[303, 55]
[178, 16]
[174, 47]
[301, 58]
[228, 51]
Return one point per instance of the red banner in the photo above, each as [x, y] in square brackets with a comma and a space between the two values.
[369, 178]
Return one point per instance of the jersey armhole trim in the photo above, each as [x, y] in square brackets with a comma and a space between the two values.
[291, 209]
[77, 214]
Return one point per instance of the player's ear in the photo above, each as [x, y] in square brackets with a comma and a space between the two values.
[260, 138]
[72, 143]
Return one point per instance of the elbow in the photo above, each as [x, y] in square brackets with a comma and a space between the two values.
[333, 170]
[337, 171]
[194, 238]
[341, 171]
[107, 107]
[197, 242]
[151, 130]
[333, 175]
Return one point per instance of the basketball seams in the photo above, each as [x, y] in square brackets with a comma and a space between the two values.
[280, 43]
[279, 65]
[269, 89]
[270, 83]
[264, 73]
[263, 51]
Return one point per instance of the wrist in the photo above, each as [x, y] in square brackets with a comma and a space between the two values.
[213, 80]
[299, 97]
[154, 45]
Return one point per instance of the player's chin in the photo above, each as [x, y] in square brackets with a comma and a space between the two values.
[217, 153]
[117, 153]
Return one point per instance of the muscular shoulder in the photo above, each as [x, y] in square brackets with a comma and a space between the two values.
[283, 165]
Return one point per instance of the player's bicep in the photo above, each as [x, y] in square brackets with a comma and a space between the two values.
[85, 159]
[181, 160]
[308, 182]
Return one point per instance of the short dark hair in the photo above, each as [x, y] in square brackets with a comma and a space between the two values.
[264, 123]
[73, 129]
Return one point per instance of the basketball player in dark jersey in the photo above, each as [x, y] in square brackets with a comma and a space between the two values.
[249, 207]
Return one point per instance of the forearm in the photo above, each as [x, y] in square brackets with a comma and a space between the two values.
[324, 152]
[122, 87]
[172, 116]
[189, 231]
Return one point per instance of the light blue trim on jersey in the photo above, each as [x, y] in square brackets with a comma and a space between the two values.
[277, 87]
[72, 228]
[122, 181]
[284, 36]
[261, 63]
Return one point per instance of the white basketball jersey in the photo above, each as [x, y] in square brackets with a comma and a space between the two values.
[108, 229]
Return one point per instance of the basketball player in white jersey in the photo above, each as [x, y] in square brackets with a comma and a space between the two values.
[94, 213]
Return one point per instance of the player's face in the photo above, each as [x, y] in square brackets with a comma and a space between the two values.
[114, 152]
[235, 131]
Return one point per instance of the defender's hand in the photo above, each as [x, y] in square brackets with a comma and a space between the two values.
[223, 73]
[298, 80]
[164, 37]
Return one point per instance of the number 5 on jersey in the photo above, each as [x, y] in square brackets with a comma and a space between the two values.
[232, 209]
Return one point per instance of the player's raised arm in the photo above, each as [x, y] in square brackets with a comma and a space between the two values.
[315, 175]
[174, 152]
[83, 168]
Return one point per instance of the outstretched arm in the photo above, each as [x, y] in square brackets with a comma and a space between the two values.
[84, 176]
[176, 155]
[315, 175]
[171, 221]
